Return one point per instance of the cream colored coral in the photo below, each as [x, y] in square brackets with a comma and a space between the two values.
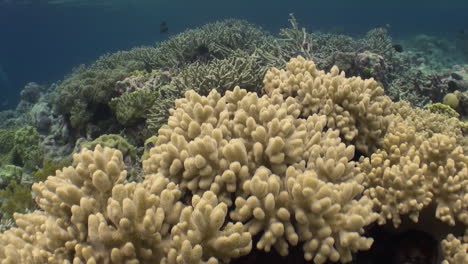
[91, 216]
[411, 171]
[355, 107]
[202, 237]
[330, 220]
[396, 176]
[455, 250]
[255, 141]
[427, 123]
[267, 210]
[214, 143]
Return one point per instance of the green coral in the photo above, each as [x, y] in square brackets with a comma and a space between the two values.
[133, 107]
[89, 88]
[10, 173]
[141, 91]
[464, 127]
[443, 109]
[79, 115]
[159, 112]
[20, 147]
[7, 144]
[49, 167]
[27, 148]
[448, 111]
[15, 198]
[113, 141]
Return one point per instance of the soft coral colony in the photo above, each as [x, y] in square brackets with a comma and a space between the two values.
[313, 162]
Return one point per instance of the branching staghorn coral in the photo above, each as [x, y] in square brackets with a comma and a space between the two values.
[229, 168]
[322, 47]
[218, 40]
[222, 75]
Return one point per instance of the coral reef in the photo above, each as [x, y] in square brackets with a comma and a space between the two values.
[219, 40]
[131, 92]
[311, 164]
[357, 108]
[370, 56]
[89, 88]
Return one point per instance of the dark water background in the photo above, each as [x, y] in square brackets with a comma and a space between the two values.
[42, 43]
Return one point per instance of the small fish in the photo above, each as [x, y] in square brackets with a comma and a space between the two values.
[163, 28]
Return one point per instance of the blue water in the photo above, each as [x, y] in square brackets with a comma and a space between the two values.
[42, 42]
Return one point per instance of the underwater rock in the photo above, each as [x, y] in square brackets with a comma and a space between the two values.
[457, 85]
[365, 64]
[456, 76]
[56, 145]
[40, 115]
[31, 92]
[371, 65]
[343, 60]
[398, 47]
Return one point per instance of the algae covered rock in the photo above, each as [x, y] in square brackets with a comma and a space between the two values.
[7, 145]
[49, 167]
[20, 147]
[8, 174]
[113, 141]
[27, 148]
